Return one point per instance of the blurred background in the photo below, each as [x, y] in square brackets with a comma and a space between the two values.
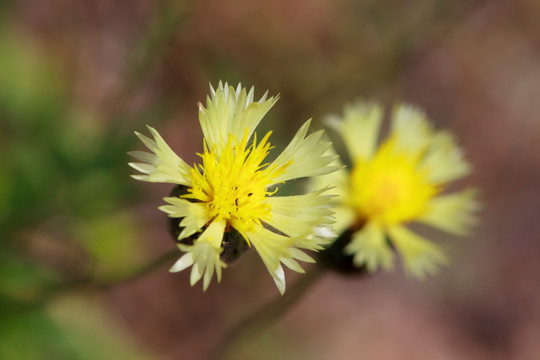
[78, 77]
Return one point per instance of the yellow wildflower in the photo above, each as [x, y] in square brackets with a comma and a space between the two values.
[232, 189]
[397, 182]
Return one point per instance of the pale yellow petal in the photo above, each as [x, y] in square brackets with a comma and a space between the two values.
[183, 263]
[296, 254]
[192, 224]
[213, 233]
[453, 212]
[178, 207]
[251, 115]
[420, 256]
[300, 255]
[345, 217]
[204, 255]
[336, 181]
[195, 215]
[369, 247]
[304, 156]
[231, 112]
[444, 160]
[411, 128]
[162, 165]
[359, 128]
[272, 248]
[293, 265]
[297, 215]
[339, 191]
[202, 251]
[275, 249]
[278, 275]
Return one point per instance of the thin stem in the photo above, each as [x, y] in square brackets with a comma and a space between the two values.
[250, 327]
[90, 281]
[143, 270]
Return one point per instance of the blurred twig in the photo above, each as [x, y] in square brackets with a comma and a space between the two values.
[91, 282]
[143, 270]
[261, 319]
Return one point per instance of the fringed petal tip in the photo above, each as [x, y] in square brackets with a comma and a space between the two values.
[183, 263]
[359, 127]
[231, 111]
[306, 155]
[425, 265]
[204, 259]
[454, 212]
[161, 165]
[421, 258]
[275, 250]
[279, 278]
[369, 248]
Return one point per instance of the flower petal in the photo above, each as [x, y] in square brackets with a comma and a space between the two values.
[369, 247]
[453, 212]
[345, 218]
[420, 256]
[205, 255]
[444, 160]
[272, 248]
[279, 278]
[183, 263]
[411, 128]
[231, 112]
[162, 165]
[304, 156]
[339, 191]
[195, 215]
[359, 128]
[336, 181]
[296, 216]
[214, 233]
[293, 265]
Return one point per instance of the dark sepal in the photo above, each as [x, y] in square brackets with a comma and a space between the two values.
[173, 224]
[334, 257]
[233, 244]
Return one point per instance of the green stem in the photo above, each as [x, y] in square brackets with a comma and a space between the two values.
[143, 270]
[91, 282]
[250, 327]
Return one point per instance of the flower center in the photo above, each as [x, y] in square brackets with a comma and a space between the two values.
[233, 183]
[390, 188]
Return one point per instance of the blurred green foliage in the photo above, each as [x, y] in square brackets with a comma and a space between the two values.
[62, 182]
[52, 162]
[72, 329]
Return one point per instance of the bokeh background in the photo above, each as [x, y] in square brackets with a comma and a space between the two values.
[78, 77]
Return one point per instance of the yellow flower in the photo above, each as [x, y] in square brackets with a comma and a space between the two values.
[232, 188]
[395, 183]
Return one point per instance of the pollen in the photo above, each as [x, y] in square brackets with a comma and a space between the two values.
[389, 188]
[234, 183]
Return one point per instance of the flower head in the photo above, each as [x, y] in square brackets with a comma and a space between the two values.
[391, 184]
[233, 188]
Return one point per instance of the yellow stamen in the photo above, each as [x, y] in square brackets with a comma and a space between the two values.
[233, 183]
[390, 188]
